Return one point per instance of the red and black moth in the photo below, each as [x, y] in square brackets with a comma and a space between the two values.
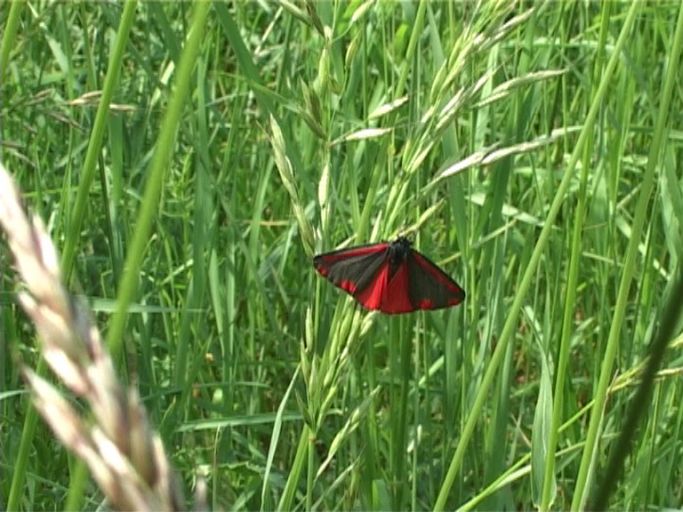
[390, 277]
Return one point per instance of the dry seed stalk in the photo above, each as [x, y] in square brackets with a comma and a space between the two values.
[124, 455]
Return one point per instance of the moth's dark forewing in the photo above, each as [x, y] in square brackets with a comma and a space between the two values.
[430, 287]
[352, 270]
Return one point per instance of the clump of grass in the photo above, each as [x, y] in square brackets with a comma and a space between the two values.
[125, 456]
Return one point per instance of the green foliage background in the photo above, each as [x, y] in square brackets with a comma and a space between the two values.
[532, 149]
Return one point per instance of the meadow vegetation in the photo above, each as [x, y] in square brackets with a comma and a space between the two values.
[189, 159]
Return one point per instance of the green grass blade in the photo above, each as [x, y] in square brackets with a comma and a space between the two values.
[277, 427]
[95, 143]
[628, 274]
[155, 180]
[549, 481]
[529, 274]
[9, 36]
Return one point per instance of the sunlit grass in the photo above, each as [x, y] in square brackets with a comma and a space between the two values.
[304, 127]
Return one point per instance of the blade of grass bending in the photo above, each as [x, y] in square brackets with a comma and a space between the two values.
[661, 338]
[155, 180]
[530, 273]
[582, 484]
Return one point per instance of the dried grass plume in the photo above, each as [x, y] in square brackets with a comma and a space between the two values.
[125, 456]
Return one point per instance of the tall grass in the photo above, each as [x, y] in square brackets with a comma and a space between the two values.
[189, 160]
